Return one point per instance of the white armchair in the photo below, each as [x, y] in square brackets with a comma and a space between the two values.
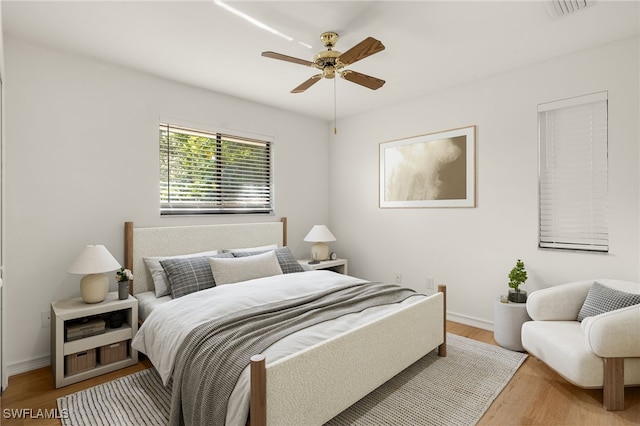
[602, 351]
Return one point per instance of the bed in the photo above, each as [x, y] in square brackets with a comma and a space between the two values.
[305, 377]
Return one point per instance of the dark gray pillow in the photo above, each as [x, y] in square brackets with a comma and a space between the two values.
[287, 262]
[189, 274]
[601, 299]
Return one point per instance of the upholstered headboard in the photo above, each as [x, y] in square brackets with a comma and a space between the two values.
[176, 240]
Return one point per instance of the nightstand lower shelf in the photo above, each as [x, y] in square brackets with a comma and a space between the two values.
[70, 379]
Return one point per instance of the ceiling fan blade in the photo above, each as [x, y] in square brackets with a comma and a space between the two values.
[362, 79]
[366, 47]
[310, 82]
[280, 56]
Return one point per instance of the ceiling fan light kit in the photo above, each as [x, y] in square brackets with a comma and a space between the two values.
[332, 61]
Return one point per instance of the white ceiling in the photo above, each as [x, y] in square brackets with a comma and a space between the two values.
[430, 45]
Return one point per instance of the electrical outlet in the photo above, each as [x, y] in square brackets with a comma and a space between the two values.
[430, 283]
[398, 277]
[45, 318]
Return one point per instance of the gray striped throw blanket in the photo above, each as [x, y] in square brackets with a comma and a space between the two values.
[215, 353]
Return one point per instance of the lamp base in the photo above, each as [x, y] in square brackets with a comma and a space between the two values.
[94, 288]
[319, 251]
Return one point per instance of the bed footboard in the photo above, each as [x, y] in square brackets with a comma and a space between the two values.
[316, 384]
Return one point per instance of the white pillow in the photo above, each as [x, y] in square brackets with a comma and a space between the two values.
[250, 249]
[227, 271]
[160, 280]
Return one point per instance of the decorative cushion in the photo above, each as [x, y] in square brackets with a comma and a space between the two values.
[287, 262]
[602, 299]
[236, 269]
[159, 277]
[190, 274]
[260, 249]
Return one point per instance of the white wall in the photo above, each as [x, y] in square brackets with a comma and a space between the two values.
[473, 249]
[82, 158]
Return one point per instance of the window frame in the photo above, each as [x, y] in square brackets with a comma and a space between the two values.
[586, 228]
[235, 139]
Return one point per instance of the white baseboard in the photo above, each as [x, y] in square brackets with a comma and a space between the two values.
[467, 320]
[28, 365]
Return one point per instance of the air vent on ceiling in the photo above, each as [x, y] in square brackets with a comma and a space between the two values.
[560, 8]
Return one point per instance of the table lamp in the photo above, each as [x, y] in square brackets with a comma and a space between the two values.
[93, 262]
[319, 236]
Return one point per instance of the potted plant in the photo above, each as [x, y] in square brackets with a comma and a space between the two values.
[123, 276]
[517, 276]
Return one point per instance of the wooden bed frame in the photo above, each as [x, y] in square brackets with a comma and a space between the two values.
[308, 387]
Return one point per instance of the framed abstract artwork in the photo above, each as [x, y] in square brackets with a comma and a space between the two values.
[432, 170]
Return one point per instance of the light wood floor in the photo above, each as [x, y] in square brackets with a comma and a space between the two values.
[535, 396]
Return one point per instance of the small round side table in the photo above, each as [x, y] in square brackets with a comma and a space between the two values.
[507, 323]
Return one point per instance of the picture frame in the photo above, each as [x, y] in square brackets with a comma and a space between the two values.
[429, 170]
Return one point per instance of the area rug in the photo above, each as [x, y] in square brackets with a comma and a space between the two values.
[454, 390]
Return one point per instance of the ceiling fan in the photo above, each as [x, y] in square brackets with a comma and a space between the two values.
[331, 62]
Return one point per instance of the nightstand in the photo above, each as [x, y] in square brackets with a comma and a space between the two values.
[338, 265]
[82, 346]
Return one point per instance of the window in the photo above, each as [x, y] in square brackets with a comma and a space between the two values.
[573, 173]
[211, 173]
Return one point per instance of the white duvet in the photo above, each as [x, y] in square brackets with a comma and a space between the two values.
[164, 330]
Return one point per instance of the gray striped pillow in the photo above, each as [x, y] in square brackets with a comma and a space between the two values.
[190, 274]
[287, 262]
[601, 299]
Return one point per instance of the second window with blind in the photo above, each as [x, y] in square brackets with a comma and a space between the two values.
[573, 181]
[204, 172]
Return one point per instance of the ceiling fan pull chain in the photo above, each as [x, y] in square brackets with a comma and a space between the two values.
[335, 109]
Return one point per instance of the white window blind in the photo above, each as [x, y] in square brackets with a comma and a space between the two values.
[207, 173]
[573, 174]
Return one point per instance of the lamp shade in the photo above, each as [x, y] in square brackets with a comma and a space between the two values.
[94, 259]
[319, 234]
[93, 262]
